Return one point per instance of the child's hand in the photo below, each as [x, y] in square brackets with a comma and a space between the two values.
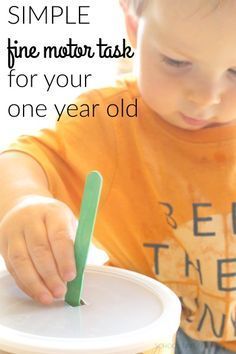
[36, 243]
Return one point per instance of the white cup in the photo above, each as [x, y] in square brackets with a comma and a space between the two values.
[125, 313]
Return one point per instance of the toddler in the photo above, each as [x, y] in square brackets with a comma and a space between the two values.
[168, 207]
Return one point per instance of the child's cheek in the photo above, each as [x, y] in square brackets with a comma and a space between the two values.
[160, 92]
[160, 80]
[160, 89]
[228, 104]
[168, 89]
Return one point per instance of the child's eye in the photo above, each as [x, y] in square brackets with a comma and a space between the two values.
[232, 71]
[175, 63]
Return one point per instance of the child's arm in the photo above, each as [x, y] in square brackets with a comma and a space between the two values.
[35, 229]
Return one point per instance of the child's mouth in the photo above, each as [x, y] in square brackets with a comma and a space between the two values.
[194, 121]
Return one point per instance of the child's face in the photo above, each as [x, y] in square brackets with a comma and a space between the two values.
[187, 61]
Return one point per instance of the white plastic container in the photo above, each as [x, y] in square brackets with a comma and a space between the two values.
[125, 312]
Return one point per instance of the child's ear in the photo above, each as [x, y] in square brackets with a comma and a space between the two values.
[131, 22]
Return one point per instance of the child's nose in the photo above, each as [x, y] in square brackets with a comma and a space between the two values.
[205, 95]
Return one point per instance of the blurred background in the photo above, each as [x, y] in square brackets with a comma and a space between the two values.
[106, 21]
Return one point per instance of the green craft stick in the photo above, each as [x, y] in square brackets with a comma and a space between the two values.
[88, 211]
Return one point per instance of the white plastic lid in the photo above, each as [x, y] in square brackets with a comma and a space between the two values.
[125, 312]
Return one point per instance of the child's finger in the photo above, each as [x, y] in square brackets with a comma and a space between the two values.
[41, 255]
[24, 270]
[20, 285]
[60, 234]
